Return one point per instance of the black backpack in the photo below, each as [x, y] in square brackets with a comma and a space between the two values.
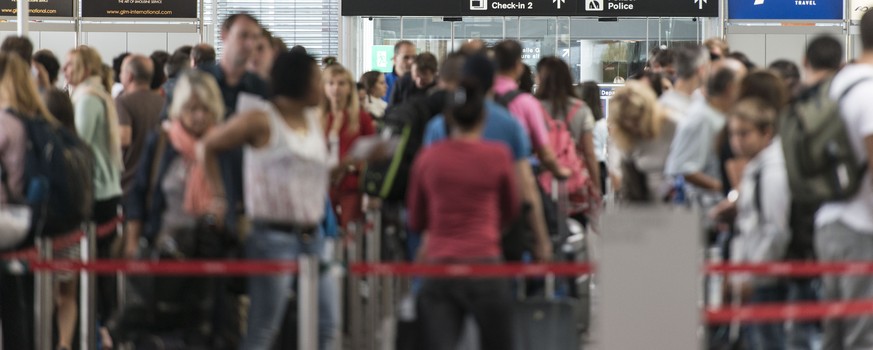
[408, 121]
[58, 176]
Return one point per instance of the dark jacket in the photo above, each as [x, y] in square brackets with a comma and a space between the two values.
[405, 89]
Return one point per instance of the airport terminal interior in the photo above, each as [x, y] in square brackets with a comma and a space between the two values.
[436, 175]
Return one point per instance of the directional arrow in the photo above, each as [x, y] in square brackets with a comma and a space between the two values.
[559, 2]
[565, 53]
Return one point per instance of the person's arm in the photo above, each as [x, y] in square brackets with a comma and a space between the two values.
[688, 153]
[368, 127]
[252, 129]
[704, 181]
[417, 198]
[734, 168]
[536, 124]
[587, 144]
[124, 123]
[868, 142]
[435, 131]
[510, 203]
[530, 194]
[775, 209]
[582, 128]
[135, 203]
[85, 112]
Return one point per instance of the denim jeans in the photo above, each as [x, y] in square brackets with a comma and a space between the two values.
[269, 294]
[766, 336]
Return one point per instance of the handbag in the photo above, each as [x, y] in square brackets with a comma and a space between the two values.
[14, 225]
[14, 220]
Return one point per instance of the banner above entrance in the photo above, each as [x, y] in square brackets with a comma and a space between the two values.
[483, 8]
[39, 8]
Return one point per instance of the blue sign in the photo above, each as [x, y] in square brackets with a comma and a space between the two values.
[786, 9]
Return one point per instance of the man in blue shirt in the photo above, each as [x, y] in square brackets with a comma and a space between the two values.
[499, 126]
[404, 55]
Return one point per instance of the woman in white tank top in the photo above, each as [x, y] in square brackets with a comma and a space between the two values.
[286, 172]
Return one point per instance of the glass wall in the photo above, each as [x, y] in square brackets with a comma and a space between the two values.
[603, 51]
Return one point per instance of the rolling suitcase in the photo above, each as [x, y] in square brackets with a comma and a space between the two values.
[550, 322]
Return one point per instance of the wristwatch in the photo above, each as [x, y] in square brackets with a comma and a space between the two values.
[733, 195]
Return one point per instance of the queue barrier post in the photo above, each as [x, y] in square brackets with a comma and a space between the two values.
[308, 302]
[44, 298]
[88, 291]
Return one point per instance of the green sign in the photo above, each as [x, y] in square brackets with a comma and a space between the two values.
[383, 56]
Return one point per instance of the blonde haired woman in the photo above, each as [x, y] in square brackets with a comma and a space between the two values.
[641, 132]
[344, 120]
[19, 94]
[97, 124]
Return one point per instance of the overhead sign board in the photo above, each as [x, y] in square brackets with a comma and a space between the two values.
[858, 8]
[593, 8]
[39, 8]
[140, 8]
[785, 9]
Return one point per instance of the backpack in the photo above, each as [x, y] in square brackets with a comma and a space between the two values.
[507, 98]
[58, 177]
[580, 188]
[388, 179]
[821, 163]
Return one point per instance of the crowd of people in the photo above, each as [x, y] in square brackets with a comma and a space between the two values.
[252, 154]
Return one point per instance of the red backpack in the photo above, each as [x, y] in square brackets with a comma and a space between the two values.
[583, 196]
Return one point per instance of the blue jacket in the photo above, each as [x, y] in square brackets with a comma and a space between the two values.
[390, 78]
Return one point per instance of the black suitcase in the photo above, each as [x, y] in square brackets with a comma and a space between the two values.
[545, 325]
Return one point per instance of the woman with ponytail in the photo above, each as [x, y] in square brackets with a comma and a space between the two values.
[461, 192]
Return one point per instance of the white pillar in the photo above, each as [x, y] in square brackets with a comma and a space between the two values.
[23, 17]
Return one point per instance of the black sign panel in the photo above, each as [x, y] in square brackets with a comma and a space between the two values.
[39, 8]
[590, 8]
[140, 8]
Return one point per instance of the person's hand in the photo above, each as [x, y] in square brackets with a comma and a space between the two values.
[723, 211]
[563, 173]
[382, 151]
[374, 203]
[218, 209]
[739, 289]
[337, 174]
[543, 250]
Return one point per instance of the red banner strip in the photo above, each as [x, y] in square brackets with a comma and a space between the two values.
[798, 311]
[795, 269]
[192, 267]
[469, 270]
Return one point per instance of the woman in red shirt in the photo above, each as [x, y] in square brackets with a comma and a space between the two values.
[344, 121]
[462, 191]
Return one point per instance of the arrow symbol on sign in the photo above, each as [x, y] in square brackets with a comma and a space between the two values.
[559, 3]
[701, 2]
[565, 53]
